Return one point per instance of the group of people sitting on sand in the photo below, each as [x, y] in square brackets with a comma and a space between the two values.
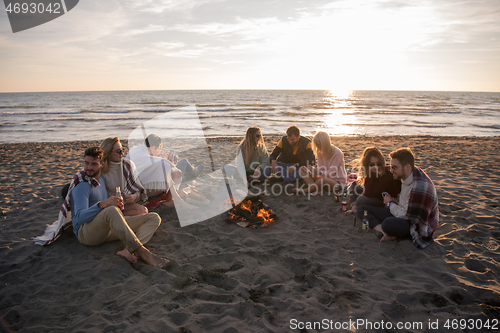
[400, 200]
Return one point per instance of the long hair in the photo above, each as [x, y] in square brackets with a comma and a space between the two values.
[107, 146]
[248, 143]
[363, 163]
[321, 145]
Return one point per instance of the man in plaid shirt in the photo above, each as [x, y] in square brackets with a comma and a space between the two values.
[415, 212]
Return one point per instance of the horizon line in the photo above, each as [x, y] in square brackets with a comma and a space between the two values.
[240, 89]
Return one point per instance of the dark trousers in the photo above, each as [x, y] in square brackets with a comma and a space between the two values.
[391, 225]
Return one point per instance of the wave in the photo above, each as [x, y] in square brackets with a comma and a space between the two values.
[311, 113]
[85, 119]
[484, 109]
[495, 126]
[258, 109]
[88, 111]
[101, 111]
[18, 106]
[230, 116]
[258, 117]
[239, 106]
[215, 110]
[256, 105]
[236, 109]
[401, 112]
[152, 103]
[212, 105]
[427, 123]
[279, 120]
[36, 113]
[392, 125]
[442, 125]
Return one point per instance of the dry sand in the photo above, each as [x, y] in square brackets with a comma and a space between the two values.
[311, 265]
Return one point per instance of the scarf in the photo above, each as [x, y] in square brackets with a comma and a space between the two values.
[132, 183]
[55, 230]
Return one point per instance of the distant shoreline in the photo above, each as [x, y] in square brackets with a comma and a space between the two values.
[133, 90]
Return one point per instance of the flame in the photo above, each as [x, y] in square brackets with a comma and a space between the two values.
[264, 214]
[246, 205]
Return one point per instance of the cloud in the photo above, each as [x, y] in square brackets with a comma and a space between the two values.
[243, 28]
[150, 28]
[168, 6]
[169, 45]
[319, 35]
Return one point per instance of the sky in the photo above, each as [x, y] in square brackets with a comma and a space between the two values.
[443, 45]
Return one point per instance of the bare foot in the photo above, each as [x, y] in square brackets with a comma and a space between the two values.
[387, 238]
[127, 255]
[151, 259]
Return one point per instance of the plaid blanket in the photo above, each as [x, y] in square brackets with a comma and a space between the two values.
[422, 211]
[132, 181]
[55, 230]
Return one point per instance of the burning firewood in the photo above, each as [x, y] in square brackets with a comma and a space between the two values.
[252, 212]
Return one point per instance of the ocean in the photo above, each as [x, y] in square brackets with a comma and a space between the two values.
[72, 116]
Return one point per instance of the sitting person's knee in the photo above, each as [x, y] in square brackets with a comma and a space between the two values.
[303, 172]
[155, 217]
[112, 210]
[361, 210]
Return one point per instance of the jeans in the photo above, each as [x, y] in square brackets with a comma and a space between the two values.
[185, 167]
[283, 172]
[391, 225]
[362, 200]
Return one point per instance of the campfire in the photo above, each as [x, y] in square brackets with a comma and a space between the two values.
[252, 213]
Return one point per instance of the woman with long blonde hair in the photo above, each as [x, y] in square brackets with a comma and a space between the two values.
[254, 153]
[119, 172]
[329, 171]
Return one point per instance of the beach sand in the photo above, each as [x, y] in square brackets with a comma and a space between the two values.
[312, 265]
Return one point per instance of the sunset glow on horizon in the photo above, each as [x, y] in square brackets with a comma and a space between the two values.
[213, 44]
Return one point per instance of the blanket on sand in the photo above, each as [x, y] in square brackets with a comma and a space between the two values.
[55, 230]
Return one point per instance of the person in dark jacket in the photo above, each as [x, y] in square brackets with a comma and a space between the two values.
[375, 179]
[292, 152]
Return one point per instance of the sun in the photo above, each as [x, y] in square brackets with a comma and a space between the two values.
[340, 92]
